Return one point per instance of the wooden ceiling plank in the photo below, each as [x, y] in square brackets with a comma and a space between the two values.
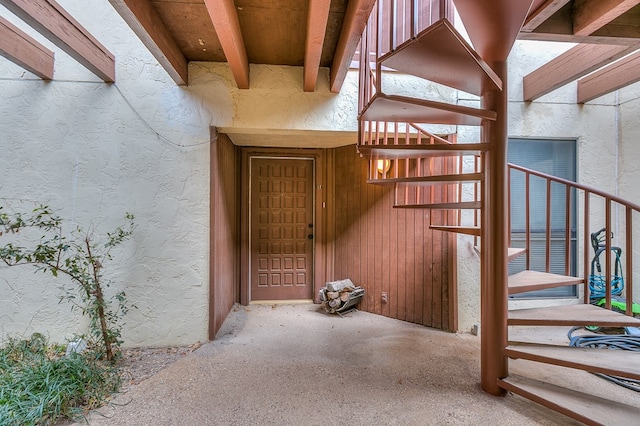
[355, 19]
[591, 15]
[18, 47]
[542, 13]
[52, 21]
[569, 66]
[225, 20]
[145, 22]
[316, 28]
[613, 77]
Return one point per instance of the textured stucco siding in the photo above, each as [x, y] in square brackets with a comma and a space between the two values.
[628, 108]
[276, 99]
[94, 151]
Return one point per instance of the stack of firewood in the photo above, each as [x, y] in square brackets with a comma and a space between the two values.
[339, 296]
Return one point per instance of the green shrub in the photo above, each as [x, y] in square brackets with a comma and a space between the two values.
[39, 385]
[77, 256]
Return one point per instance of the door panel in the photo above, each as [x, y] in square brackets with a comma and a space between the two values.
[281, 234]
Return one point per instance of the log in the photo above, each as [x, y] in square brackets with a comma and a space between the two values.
[339, 285]
[333, 295]
[340, 295]
[335, 303]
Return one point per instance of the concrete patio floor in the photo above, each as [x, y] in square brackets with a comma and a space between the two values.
[296, 365]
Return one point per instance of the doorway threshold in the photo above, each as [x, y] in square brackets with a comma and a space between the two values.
[282, 302]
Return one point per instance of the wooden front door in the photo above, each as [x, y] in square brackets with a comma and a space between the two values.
[281, 229]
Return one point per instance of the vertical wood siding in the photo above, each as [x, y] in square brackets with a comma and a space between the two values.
[224, 227]
[392, 251]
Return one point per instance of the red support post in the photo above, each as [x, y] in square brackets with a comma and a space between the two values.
[494, 252]
[629, 263]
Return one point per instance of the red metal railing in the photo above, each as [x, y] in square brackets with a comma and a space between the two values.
[400, 20]
[391, 23]
[592, 207]
[392, 133]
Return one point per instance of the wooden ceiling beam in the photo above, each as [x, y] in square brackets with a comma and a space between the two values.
[52, 21]
[570, 38]
[355, 19]
[18, 47]
[225, 20]
[145, 22]
[576, 62]
[591, 15]
[542, 13]
[317, 19]
[613, 77]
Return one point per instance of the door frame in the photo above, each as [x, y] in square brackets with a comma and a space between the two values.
[320, 248]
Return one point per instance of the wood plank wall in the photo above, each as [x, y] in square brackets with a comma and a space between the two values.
[224, 275]
[392, 251]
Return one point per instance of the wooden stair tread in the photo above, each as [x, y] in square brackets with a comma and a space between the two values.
[464, 205]
[512, 252]
[493, 42]
[571, 315]
[515, 252]
[430, 180]
[533, 280]
[420, 151]
[606, 361]
[589, 409]
[467, 230]
[440, 54]
[395, 108]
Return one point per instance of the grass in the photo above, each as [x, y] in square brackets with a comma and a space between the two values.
[39, 385]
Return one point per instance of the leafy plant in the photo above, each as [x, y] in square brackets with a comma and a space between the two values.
[79, 257]
[38, 385]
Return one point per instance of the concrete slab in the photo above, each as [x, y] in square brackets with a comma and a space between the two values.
[297, 365]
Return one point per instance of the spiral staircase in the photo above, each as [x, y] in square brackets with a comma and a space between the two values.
[432, 170]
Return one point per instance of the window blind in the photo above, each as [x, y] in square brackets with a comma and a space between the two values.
[553, 157]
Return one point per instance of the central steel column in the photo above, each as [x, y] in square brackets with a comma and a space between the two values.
[493, 282]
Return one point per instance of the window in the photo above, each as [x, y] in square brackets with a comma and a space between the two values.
[557, 158]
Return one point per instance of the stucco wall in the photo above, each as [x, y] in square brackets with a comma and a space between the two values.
[628, 108]
[94, 151]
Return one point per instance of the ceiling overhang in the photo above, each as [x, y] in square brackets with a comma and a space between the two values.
[325, 33]
[313, 34]
[289, 138]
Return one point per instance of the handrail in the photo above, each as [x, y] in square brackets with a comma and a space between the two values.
[577, 185]
[609, 201]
